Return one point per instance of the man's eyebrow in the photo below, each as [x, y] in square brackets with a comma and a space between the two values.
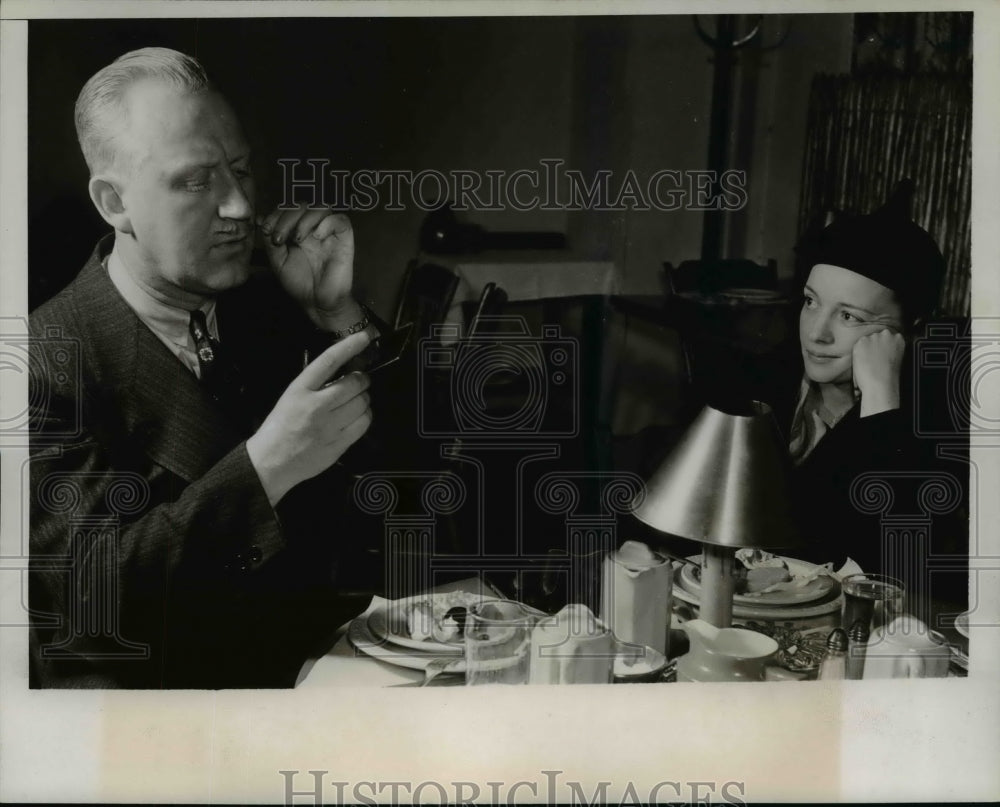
[240, 157]
[181, 169]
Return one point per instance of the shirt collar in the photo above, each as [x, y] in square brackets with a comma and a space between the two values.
[167, 321]
[810, 399]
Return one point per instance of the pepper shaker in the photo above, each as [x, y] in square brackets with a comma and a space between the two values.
[857, 645]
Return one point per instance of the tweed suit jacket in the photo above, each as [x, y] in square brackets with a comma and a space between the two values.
[156, 558]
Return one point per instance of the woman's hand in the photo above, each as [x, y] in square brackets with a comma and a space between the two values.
[877, 361]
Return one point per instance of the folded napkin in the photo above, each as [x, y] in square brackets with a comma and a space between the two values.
[343, 665]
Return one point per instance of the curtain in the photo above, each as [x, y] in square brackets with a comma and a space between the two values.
[865, 133]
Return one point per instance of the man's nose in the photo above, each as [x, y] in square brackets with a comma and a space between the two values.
[235, 203]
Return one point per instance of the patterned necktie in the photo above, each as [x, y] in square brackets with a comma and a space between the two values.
[219, 376]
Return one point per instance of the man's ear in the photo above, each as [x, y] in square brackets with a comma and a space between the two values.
[107, 198]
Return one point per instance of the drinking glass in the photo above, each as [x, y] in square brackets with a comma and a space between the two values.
[873, 599]
[497, 643]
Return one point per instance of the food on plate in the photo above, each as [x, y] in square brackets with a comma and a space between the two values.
[452, 625]
[763, 578]
[440, 617]
[753, 558]
[759, 570]
[420, 621]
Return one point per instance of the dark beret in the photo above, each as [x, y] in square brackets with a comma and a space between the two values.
[887, 247]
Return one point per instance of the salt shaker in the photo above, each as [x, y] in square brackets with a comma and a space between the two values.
[834, 664]
[857, 644]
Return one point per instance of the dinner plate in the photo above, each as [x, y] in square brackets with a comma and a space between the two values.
[833, 602]
[812, 591]
[364, 640]
[626, 667]
[389, 620]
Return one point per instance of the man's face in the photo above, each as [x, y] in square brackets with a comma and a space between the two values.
[840, 307]
[188, 193]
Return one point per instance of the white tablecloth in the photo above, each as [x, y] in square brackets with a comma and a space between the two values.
[533, 281]
[343, 666]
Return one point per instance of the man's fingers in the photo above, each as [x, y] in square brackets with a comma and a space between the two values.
[285, 225]
[352, 385]
[268, 222]
[276, 253]
[352, 432]
[335, 224]
[323, 368]
[306, 225]
[344, 416]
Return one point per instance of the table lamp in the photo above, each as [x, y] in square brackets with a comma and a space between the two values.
[725, 485]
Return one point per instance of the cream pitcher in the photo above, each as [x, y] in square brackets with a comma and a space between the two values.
[635, 595]
[724, 654]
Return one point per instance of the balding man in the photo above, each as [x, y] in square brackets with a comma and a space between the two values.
[184, 490]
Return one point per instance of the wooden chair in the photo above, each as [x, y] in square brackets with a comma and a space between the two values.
[425, 297]
[714, 276]
[716, 370]
[491, 303]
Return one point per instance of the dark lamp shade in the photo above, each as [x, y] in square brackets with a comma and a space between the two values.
[726, 483]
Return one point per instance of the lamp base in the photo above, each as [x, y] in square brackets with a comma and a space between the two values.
[717, 585]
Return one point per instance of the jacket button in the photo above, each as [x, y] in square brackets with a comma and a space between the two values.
[255, 554]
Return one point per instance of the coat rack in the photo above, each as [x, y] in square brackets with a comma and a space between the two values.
[725, 45]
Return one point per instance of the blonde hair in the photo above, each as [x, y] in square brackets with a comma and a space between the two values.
[100, 111]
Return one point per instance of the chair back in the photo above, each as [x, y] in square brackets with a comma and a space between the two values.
[714, 276]
[427, 292]
[491, 303]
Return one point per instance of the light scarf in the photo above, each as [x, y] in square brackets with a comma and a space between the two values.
[811, 421]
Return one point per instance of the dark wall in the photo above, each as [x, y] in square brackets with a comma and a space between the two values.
[614, 93]
[389, 93]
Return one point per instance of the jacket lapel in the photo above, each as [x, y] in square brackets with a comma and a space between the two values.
[165, 411]
[184, 430]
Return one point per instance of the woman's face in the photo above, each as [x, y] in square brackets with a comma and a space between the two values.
[840, 307]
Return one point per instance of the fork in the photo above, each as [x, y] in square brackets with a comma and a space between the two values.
[435, 668]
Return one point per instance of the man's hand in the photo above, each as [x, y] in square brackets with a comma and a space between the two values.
[877, 361]
[313, 423]
[312, 252]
